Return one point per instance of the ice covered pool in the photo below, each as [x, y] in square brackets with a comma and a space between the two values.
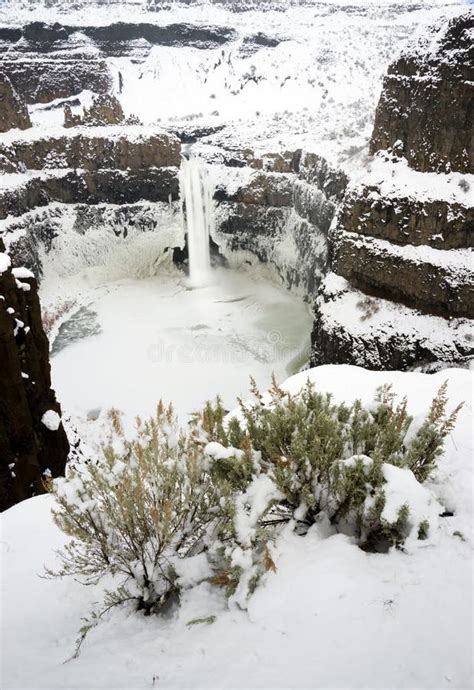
[130, 342]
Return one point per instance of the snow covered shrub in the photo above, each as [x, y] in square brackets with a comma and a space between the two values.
[427, 445]
[169, 509]
[241, 550]
[138, 513]
[336, 459]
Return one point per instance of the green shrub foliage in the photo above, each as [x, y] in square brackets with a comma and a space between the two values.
[222, 490]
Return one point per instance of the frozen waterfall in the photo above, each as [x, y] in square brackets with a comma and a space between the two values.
[197, 199]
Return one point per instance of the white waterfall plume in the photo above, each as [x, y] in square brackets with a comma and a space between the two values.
[197, 198]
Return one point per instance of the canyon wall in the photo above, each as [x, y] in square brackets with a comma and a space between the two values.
[120, 166]
[427, 102]
[33, 443]
[400, 291]
[278, 207]
[115, 182]
[13, 109]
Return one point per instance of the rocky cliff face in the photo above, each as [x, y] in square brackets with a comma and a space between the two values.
[427, 103]
[279, 208]
[43, 65]
[46, 62]
[131, 148]
[52, 184]
[33, 443]
[13, 109]
[85, 165]
[400, 291]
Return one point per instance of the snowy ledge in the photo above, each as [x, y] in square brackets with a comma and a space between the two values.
[456, 262]
[10, 182]
[397, 179]
[340, 303]
[132, 133]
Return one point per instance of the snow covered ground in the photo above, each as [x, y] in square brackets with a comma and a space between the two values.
[331, 616]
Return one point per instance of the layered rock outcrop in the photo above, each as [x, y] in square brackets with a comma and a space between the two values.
[105, 109]
[401, 288]
[85, 165]
[33, 443]
[130, 148]
[41, 80]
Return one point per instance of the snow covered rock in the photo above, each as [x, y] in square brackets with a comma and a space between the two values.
[279, 207]
[354, 327]
[51, 420]
[105, 109]
[5, 262]
[93, 148]
[431, 280]
[40, 79]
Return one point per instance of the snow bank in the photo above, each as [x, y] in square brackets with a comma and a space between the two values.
[402, 488]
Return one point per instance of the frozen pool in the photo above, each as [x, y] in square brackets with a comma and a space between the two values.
[130, 342]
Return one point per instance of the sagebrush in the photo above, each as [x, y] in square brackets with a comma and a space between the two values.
[210, 501]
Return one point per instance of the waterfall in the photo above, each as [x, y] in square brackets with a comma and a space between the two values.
[197, 197]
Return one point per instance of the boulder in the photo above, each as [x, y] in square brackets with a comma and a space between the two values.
[71, 119]
[105, 110]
